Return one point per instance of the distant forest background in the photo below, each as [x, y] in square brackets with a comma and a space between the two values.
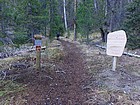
[21, 19]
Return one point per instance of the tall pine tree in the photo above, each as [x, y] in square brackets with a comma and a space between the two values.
[56, 24]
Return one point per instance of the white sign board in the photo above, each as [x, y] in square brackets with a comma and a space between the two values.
[38, 42]
[116, 42]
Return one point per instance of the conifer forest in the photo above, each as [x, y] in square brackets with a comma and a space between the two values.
[69, 52]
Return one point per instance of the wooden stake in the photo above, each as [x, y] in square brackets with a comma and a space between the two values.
[38, 57]
[114, 63]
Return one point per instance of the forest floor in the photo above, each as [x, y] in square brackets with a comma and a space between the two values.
[71, 74]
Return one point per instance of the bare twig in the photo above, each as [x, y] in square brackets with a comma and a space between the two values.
[88, 87]
[49, 77]
[61, 72]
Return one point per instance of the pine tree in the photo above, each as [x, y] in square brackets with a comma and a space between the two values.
[56, 24]
[132, 24]
[90, 16]
[25, 17]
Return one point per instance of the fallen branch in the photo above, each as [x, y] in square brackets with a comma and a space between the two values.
[19, 66]
[125, 53]
[132, 55]
[103, 47]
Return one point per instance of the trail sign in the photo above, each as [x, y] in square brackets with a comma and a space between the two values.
[38, 48]
[115, 45]
[37, 36]
[116, 42]
[38, 41]
[38, 44]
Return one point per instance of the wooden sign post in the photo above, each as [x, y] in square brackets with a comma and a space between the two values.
[116, 42]
[38, 43]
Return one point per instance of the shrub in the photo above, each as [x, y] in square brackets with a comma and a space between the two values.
[20, 38]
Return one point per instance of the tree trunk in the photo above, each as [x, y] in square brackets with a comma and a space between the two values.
[51, 19]
[106, 8]
[102, 34]
[129, 1]
[65, 16]
[2, 19]
[95, 5]
[87, 37]
[115, 13]
[75, 7]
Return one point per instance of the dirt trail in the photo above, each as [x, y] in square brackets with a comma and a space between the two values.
[60, 86]
[78, 75]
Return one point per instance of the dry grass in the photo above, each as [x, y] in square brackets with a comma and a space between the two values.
[11, 93]
[98, 62]
[8, 93]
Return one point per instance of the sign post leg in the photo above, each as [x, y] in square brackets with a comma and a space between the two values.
[114, 63]
[38, 57]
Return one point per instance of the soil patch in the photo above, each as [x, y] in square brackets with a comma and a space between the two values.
[73, 74]
[107, 87]
[59, 82]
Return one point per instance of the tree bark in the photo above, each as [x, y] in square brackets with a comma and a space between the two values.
[65, 15]
[75, 7]
[51, 19]
[115, 13]
[2, 19]
[102, 34]
[95, 5]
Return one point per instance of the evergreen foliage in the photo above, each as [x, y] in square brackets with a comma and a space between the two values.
[56, 24]
[20, 38]
[31, 17]
[132, 24]
[24, 18]
[88, 19]
[85, 19]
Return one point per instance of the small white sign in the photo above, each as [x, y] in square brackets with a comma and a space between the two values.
[38, 42]
[116, 42]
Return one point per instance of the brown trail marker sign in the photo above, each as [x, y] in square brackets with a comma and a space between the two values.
[116, 42]
[38, 44]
